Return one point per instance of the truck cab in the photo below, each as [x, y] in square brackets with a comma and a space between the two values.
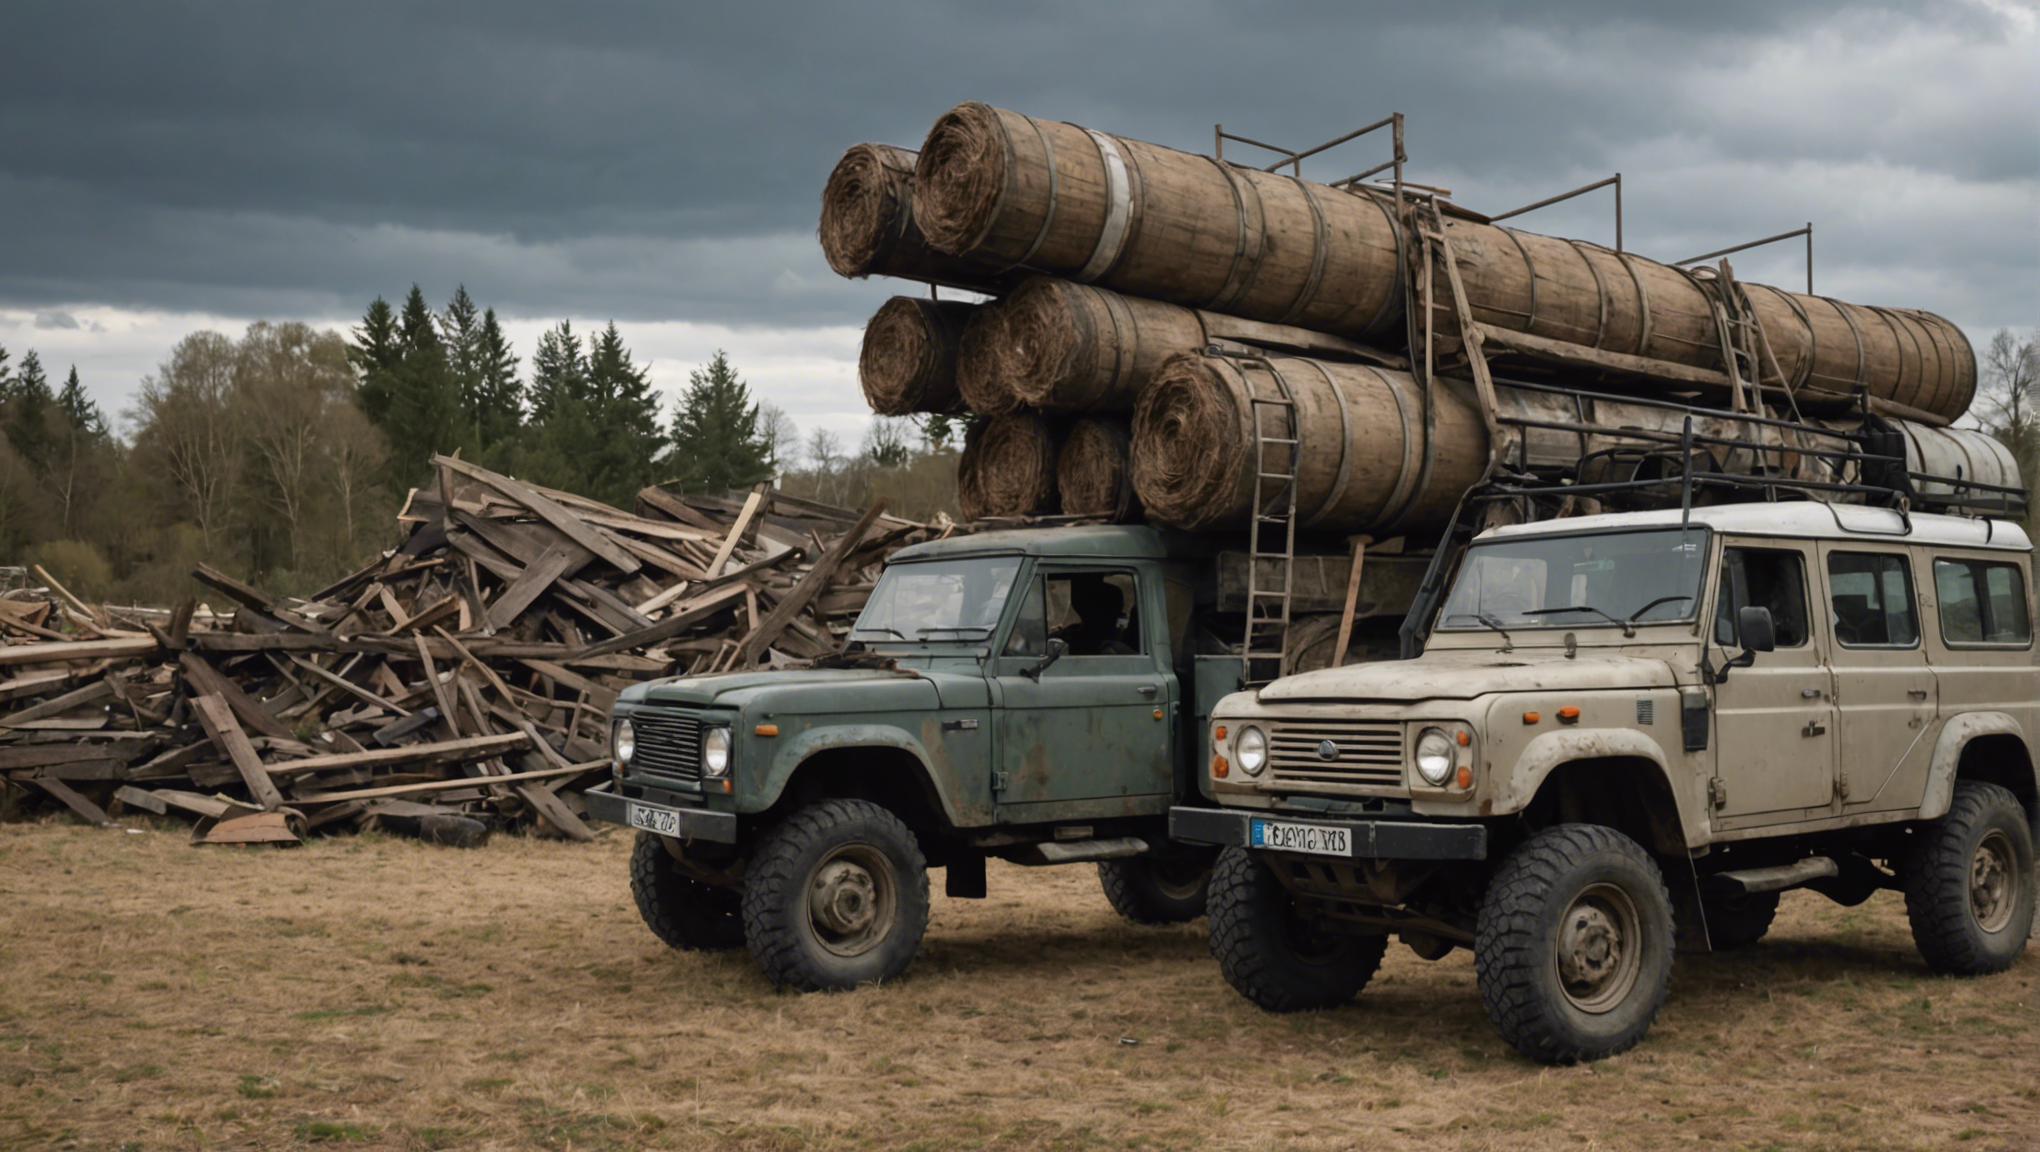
[1632, 731]
[1026, 694]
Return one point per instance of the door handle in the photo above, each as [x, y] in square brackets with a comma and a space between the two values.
[1917, 693]
[1148, 690]
[1813, 728]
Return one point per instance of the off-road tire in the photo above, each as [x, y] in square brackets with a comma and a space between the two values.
[1573, 944]
[1271, 956]
[1738, 921]
[836, 897]
[1165, 888]
[1969, 882]
[680, 910]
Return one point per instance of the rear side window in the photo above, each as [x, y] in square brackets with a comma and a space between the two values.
[1872, 600]
[1982, 602]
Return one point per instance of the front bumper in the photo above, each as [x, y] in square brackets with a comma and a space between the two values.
[687, 822]
[1371, 839]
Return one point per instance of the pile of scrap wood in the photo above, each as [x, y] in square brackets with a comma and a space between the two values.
[460, 682]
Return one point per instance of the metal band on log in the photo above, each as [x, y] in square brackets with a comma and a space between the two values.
[908, 361]
[1004, 189]
[868, 229]
[1094, 469]
[1008, 468]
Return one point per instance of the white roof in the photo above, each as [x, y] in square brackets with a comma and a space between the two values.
[1806, 519]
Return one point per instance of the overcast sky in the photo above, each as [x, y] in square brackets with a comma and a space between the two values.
[171, 166]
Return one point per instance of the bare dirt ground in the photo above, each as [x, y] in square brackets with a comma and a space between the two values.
[380, 993]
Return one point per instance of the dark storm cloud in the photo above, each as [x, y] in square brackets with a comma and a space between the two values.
[652, 160]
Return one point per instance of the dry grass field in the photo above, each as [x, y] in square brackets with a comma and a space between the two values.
[379, 993]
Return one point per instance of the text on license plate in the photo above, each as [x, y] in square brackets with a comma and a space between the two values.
[1316, 839]
[659, 820]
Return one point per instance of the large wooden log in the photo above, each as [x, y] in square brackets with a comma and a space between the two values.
[998, 186]
[1008, 467]
[908, 360]
[1094, 469]
[868, 228]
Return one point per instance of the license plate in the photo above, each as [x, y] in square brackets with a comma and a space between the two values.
[663, 821]
[1313, 839]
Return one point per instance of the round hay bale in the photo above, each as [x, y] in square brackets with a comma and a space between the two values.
[1008, 468]
[867, 226]
[1360, 451]
[1074, 348]
[1094, 470]
[980, 364]
[908, 362]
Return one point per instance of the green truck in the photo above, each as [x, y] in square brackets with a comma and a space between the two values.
[1039, 695]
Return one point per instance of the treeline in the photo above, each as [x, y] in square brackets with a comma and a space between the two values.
[282, 456]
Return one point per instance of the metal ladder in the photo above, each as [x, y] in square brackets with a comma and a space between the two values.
[1274, 505]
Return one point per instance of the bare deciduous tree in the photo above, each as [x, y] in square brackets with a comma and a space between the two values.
[191, 425]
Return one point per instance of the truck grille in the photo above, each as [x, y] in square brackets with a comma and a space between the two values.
[1367, 752]
[668, 745]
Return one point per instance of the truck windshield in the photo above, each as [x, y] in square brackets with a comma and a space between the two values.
[1598, 580]
[938, 600]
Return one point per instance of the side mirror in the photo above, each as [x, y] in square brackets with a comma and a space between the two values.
[1056, 650]
[1753, 626]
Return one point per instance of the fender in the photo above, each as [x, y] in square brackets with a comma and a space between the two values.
[1955, 736]
[1548, 751]
[787, 758]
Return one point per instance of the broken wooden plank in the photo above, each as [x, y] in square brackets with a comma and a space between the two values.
[90, 694]
[469, 748]
[567, 522]
[217, 717]
[207, 680]
[252, 597]
[685, 615]
[92, 813]
[445, 785]
[809, 587]
[13, 654]
[139, 798]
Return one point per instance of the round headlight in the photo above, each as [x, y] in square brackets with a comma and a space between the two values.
[1251, 750]
[1436, 754]
[715, 751]
[623, 742]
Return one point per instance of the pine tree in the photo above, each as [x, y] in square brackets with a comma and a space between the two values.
[460, 332]
[625, 411]
[28, 401]
[717, 443]
[559, 373]
[376, 355]
[423, 416]
[500, 395]
[78, 408]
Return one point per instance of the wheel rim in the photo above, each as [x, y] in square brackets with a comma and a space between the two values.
[853, 899]
[1993, 879]
[1600, 951]
[1180, 879]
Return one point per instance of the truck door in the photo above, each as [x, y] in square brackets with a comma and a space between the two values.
[1774, 722]
[1884, 688]
[1088, 736]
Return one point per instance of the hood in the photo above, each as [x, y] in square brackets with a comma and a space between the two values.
[1463, 675]
[803, 690]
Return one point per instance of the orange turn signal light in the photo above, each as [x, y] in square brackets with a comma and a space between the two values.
[1218, 733]
[1532, 717]
[1465, 776]
[766, 730]
[1465, 739]
[1219, 768]
[1568, 715]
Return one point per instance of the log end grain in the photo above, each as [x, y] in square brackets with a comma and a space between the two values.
[1008, 468]
[1094, 470]
[866, 207]
[1189, 451]
[908, 361]
[959, 176]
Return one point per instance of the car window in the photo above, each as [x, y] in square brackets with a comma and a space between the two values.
[1762, 578]
[1981, 602]
[1871, 600]
[1094, 613]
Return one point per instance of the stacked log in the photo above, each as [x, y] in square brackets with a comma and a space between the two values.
[1141, 256]
[460, 683]
[996, 186]
[908, 361]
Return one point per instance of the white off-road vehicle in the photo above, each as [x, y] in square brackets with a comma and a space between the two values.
[1629, 733]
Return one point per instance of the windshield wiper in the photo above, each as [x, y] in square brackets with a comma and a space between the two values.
[1508, 645]
[1647, 607]
[1626, 629]
[983, 629]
